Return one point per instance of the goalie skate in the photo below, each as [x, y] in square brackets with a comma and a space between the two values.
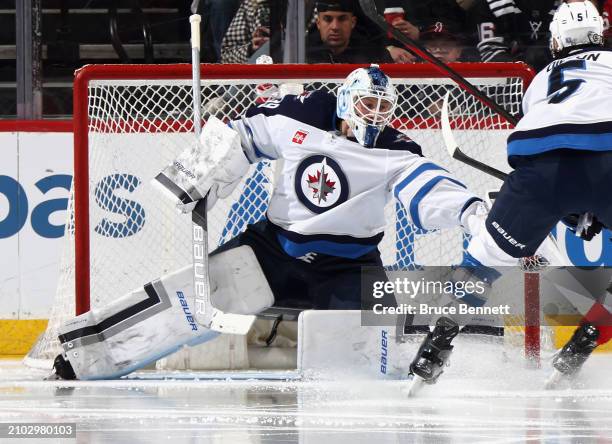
[62, 369]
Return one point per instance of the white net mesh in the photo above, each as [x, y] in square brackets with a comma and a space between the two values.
[138, 126]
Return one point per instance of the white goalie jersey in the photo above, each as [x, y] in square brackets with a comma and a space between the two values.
[331, 191]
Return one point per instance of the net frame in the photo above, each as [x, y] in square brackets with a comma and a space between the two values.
[232, 73]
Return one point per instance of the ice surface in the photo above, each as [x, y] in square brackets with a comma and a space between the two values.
[482, 398]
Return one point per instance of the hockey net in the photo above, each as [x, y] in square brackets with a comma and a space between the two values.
[131, 121]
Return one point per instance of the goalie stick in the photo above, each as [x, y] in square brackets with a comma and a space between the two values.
[205, 313]
[455, 152]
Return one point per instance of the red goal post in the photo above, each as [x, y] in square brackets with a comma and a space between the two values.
[146, 109]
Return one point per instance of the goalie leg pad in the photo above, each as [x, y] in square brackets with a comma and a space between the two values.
[132, 332]
[238, 284]
[336, 343]
[157, 319]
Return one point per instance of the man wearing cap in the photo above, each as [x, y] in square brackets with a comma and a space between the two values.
[442, 41]
[336, 42]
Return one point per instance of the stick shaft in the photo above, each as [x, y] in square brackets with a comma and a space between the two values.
[199, 235]
[194, 20]
[419, 50]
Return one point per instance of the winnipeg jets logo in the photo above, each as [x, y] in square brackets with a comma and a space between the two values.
[299, 136]
[320, 183]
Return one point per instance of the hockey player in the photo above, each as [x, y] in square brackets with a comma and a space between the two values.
[341, 165]
[562, 154]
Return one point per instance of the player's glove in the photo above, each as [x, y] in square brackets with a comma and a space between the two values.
[474, 217]
[588, 232]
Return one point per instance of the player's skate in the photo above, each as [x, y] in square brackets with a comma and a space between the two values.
[433, 354]
[569, 360]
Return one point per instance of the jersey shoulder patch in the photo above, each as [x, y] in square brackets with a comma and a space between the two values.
[395, 140]
[314, 108]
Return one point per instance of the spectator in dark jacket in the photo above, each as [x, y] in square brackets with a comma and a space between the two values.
[514, 30]
[335, 41]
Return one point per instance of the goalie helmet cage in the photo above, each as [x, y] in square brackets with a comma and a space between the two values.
[132, 120]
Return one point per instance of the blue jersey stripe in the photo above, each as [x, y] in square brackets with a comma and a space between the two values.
[563, 128]
[416, 200]
[537, 145]
[297, 249]
[424, 167]
[336, 238]
[259, 153]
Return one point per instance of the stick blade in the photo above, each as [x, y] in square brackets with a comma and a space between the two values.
[447, 133]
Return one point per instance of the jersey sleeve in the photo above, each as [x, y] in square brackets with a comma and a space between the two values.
[432, 196]
[257, 138]
[496, 21]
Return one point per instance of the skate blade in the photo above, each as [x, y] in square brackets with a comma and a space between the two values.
[413, 386]
[557, 380]
[52, 377]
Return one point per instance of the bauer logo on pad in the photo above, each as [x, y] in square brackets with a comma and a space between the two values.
[299, 136]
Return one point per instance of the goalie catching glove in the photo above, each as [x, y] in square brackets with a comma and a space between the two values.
[210, 168]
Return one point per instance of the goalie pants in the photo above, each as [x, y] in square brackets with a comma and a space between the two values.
[542, 190]
[318, 281]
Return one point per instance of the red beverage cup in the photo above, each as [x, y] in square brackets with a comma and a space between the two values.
[392, 14]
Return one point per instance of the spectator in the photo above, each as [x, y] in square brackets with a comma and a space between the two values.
[217, 15]
[607, 14]
[418, 15]
[335, 41]
[365, 28]
[443, 41]
[248, 31]
[511, 30]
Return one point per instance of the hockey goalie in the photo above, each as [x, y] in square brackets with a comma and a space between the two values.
[341, 165]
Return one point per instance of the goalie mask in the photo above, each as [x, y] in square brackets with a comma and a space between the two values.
[366, 101]
[575, 24]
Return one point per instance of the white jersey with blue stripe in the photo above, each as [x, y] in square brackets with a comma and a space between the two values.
[331, 192]
[566, 106]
